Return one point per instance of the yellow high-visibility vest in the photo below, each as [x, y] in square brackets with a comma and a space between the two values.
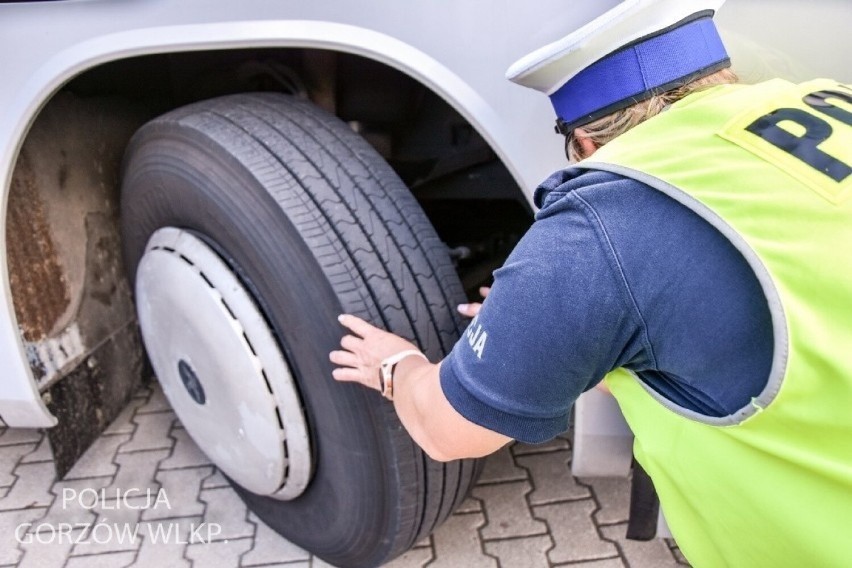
[770, 166]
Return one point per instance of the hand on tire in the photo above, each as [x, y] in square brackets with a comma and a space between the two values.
[470, 310]
[363, 351]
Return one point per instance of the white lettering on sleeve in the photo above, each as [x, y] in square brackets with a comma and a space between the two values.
[476, 337]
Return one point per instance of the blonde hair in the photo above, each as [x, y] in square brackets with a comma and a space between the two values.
[605, 129]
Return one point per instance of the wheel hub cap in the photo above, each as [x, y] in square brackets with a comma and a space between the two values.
[220, 365]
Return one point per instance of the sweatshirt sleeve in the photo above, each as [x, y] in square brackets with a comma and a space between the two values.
[557, 319]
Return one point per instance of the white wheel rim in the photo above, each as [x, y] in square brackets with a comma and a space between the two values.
[220, 366]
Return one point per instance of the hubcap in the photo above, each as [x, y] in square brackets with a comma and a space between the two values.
[220, 366]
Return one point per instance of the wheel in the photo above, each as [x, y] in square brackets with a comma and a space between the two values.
[249, 223]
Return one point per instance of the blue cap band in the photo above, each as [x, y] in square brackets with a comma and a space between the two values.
[647, 67]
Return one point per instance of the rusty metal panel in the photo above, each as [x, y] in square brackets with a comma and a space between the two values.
[35, 271]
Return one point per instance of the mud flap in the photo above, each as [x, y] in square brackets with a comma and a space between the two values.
[644, 506]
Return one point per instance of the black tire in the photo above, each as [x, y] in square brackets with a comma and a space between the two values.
[314, 223]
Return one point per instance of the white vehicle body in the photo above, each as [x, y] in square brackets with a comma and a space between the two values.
[441, 45]
[458, 50]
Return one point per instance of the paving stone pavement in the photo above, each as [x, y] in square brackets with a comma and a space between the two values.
[527, 511]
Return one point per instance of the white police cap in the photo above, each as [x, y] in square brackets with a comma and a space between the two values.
[638, 49]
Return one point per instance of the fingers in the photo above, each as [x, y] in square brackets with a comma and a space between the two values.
[343, 358]
[469, 310]
[351, 343]
[349, 364]
[348, 374]
[356, 325]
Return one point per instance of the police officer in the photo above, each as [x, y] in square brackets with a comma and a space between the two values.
[697, 257]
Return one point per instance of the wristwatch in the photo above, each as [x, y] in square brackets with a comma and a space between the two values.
[387, 367]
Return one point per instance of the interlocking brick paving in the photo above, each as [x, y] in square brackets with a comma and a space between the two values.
[527, 511]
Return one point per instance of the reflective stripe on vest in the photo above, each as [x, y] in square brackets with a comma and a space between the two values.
[769, 166]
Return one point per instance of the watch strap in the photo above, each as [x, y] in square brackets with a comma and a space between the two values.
[386, 369]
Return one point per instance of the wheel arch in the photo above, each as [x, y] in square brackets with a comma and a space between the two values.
[48, 79]
[20, 402]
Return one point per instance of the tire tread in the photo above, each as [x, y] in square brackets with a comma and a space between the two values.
[375, 246]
